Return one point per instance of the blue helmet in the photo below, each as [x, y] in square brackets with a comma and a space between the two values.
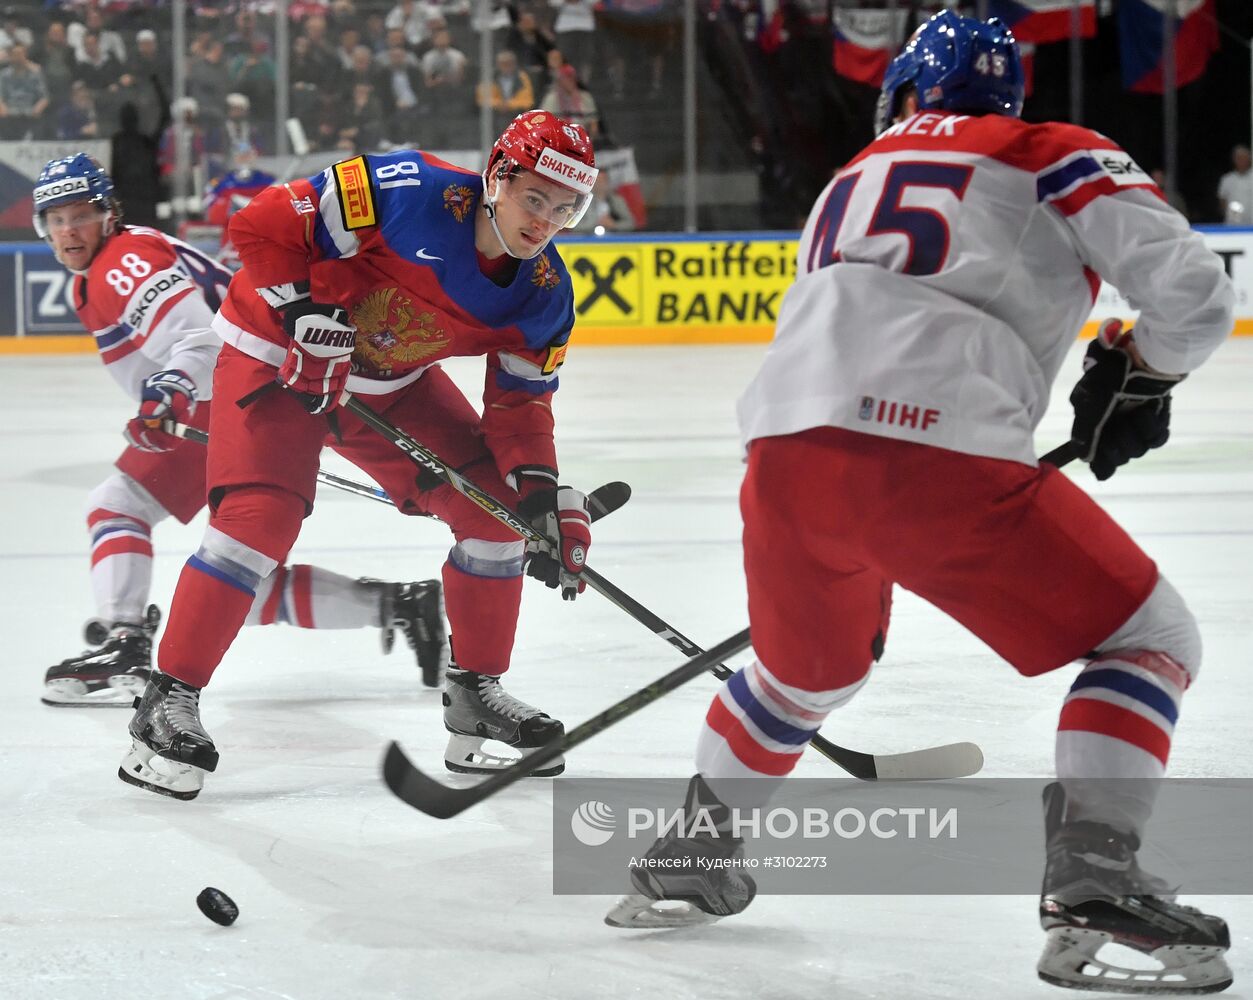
[957, 64]
[71, 179]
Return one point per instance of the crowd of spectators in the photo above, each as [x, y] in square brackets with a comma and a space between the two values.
[363, 74]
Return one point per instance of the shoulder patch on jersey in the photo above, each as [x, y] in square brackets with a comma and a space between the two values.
[1119, 167]
[555, 358]
[459, 200]
[356, 196]
[545, 275]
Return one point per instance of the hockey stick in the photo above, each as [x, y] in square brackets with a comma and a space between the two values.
[339, 482]
[1061, 455]
[953, 760]
[414, 788]
[601, 501]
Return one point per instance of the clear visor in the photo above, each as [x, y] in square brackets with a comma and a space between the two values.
[61, 218]
[551, 203]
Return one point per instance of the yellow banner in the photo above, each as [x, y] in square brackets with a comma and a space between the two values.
[689, 291]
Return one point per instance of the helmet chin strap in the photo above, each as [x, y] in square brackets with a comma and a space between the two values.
[489, 206]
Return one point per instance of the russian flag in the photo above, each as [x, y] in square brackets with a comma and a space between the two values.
[1141, 26]
[865, 41]
[1041, 21]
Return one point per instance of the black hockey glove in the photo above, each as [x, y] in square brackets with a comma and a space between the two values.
[1121, 411]
[560, 514]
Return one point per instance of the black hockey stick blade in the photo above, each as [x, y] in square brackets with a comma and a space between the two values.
[606, 499]
[409, 784]
[1061, 455]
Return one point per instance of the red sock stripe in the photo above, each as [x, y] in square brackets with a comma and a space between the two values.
[269, 610]
[102, 514]
[749, 752]
[120, 546]
[302, 596]
[1092, 716]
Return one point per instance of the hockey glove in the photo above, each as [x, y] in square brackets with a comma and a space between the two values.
[560, 515]
[1122, 408]
[319, 357]
[167, 395]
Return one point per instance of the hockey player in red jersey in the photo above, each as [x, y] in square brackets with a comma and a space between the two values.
[230, 192]
[149, 300]
[942, 276]
[359, 280]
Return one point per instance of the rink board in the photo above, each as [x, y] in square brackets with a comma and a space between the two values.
[711, 288]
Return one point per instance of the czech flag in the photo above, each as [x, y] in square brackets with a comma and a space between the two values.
[1141, 27]
[866, 41]
[1041, 21]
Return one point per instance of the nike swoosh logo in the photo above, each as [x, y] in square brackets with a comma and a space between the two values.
[422, 254]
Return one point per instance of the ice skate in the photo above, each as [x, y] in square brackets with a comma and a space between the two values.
[687, 881]
[478, 709]
[1096, 894]
[417, 611]
[170, 750]
[113, 674]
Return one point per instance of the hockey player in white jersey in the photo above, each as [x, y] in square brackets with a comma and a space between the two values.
[942, 276]
[148, 300]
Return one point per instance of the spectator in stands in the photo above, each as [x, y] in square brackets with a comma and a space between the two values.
[568, 100]
[443, 72]
[149, 60]
[110, 42]
[208, 83]
[361, 70]
[239, 127]
[252, 74]
[374, 34]
[136, 169]
[320, 46]
[510, 92]
[13, 32]
[574, 28]
[308, 73]
[328, 118]
[608, 212]
[401, 94]
[96, 67]
[349, 39]
[363, 128]
[395, 39]
[532, 43]
[244, 35]
[497, 21]
[76, 118]
[57, 60]
[23, 97]
[410, 17]
[1235, 189]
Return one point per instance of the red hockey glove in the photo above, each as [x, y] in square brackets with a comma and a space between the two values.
[1122, 409]
[561, 516]
[319, 357]
[167, 395]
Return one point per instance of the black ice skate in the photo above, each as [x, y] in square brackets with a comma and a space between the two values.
[114, 674]
[417, 610]
[688, 881]
[170, 751]
[477, 709]
[1095, 894]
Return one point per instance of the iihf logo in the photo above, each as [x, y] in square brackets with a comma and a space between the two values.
[866, 410]
[592, 824]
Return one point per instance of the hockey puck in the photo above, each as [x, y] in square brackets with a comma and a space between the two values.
[217, 906]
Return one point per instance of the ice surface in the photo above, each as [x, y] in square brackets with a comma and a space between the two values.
[346, 893]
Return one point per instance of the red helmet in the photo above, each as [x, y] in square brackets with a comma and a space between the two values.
[553, 148]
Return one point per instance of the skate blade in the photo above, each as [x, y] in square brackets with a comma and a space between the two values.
[143, 768]
[1070, 961]
[641, 913]
[121, 691]
[466, 755]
